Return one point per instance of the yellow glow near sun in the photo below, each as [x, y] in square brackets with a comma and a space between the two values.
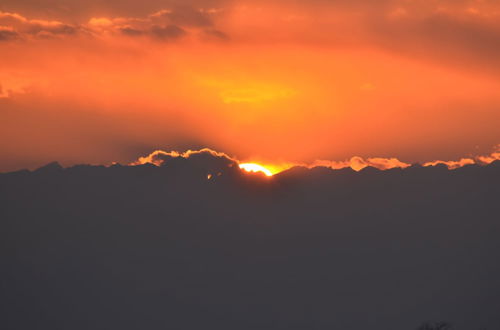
[255, 168]
[254, 94]
[237, 91]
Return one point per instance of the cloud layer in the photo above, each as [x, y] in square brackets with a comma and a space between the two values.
[213, 161]
[162, 25]
[274, 81]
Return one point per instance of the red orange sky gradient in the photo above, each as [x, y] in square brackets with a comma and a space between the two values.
[269, 82]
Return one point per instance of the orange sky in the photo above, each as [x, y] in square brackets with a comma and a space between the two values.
[264, 81]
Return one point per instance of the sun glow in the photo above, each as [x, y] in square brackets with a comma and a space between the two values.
[256, 168]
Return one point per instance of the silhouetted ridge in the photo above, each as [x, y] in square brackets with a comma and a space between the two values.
[198, 243]
[370, 170]
[51, 167]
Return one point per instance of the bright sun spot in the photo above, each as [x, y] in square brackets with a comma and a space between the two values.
[251, 167]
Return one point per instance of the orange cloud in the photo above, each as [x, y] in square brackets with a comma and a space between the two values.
[160, 158]
[452, 164]
[489, 159]
[34, 28]
[358, 163]
[479, 160]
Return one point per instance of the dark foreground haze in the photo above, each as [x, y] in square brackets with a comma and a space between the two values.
[147, 247]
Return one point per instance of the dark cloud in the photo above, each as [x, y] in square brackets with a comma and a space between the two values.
[130, 31]
[54, 29]
[204, 161]
[162, 25]
[80, 11]
[168, 32]
[442, 37]
[8, 34]
[166, 24]
[470, 38]
[460, 32]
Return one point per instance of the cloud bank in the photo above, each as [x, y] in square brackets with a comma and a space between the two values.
[214, 161]
[162, 25]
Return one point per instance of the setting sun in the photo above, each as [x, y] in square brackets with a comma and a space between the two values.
[255, 168]
[250, 164]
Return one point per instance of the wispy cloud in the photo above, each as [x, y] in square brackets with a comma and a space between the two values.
[163, 25]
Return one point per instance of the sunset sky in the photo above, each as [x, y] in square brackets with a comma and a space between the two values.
[274, 82]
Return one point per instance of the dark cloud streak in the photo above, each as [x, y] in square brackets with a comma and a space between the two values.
[8, 34]
[168, 32]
